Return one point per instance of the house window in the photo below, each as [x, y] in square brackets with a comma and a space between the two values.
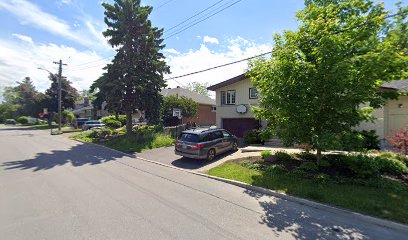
[253, 93]
[213, 108]
[228, 97]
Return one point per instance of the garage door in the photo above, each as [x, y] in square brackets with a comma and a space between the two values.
[238, 126]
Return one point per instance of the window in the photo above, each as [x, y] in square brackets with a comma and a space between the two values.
[253, 93]
[228, 97]
[213, 108]
[217, 135]
[188, 137]
[226, 134]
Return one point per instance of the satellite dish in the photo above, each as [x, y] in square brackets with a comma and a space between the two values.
[241, 109]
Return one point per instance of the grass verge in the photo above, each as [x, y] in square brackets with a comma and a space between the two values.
[379, 197]
[129, 143]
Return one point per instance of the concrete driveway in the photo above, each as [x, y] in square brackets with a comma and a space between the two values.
[167, 156]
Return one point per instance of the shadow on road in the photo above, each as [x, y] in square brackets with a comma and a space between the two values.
[282, 217]
[193, 164]
[77, 156]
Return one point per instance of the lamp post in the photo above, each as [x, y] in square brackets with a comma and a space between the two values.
[59, 98]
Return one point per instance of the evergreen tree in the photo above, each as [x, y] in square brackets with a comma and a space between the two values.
[135, 76]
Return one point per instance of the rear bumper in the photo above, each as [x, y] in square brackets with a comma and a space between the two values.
[194, 156]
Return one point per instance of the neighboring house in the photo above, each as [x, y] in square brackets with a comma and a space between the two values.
[206, 105]
[393, 115]
[235, 96]
[84, 109]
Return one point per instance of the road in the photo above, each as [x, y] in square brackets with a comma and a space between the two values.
[55, 188]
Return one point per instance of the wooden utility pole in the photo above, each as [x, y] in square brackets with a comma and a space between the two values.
[59, 93]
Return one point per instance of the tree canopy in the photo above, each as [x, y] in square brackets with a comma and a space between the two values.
[135, 77]
[200, 88]
[312, 87]
[188, 107]
[68, 94]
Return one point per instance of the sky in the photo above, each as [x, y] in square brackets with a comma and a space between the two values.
[34, 34]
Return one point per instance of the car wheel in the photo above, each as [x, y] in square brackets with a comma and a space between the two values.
[235, 146]
[211, 154]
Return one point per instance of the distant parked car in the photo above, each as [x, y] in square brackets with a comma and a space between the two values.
[10, 122]
[205, 143]
[81, 121]
[92, 124]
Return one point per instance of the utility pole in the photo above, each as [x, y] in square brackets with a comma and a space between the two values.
[59, 93]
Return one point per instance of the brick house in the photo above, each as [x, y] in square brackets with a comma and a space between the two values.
[206, 105]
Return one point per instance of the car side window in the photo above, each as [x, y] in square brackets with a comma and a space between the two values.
[207, 137]
[218, 135]
[226, 134]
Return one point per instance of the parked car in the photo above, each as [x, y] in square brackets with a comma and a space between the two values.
[92, 124]
[81, 121]
[10, 122]
[205, 143]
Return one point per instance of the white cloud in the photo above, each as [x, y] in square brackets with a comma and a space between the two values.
[30, 14]
[23, 37]
[20, 59]
[202, 58]
[172, 51]
[208, 39]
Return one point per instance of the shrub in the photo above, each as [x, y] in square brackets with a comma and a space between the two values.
[391, 166]
[399, 140]
[309, 167]
[357, 141]
[22, 120]
[257, 166]
[253, 137]
[160, 140]
[67, 117]
[307, 156]
[245, 163]
[283, 156]
[395, 156]
[370, 140]
[276, 169]
[113, 124]
[121, 119]
[363, 166]
[266, 154]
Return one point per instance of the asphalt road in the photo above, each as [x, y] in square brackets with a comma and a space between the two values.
[55, 188]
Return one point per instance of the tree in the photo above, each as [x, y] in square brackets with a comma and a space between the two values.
[188, 107]
[200, 88]
[68, 95]
[312, 87]
[136, 72]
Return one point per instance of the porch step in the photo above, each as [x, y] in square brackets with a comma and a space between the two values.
[274, 142]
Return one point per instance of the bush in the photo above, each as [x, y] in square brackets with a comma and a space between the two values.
[307, 156]
[22, 120]
[391, 166]
[253, 137]
[160, 140]
[370, 140]
[357, 141]
[121, 119]
[395, 156]
[266, 154]
[283, 156]
[363, 166]
[113, 124]
[67, 117]
[309, 167]
[399, 140]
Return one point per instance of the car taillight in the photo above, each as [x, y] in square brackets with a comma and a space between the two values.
[197, 146]
[177, 143]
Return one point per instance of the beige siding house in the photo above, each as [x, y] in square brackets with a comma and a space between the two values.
[235, 96]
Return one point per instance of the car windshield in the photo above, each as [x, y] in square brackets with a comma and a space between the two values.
[189, 137]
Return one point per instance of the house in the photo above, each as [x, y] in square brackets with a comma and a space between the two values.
[393, 115]
[206, 105]
[84, 109]
[235, 96]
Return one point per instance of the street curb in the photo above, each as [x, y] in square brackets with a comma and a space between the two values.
[301, 201]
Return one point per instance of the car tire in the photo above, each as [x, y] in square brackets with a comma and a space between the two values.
[234, 146]
[211, 154]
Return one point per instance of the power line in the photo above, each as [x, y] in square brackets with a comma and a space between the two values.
[203, 19]
[195, 15]
[219, 66]
[163, 4]
[242, 60]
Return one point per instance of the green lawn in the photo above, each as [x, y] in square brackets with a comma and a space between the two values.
[130, 144]
[377, 197]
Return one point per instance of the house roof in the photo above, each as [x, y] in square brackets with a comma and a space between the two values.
[227, 82]
[198, 98]
[398, 85]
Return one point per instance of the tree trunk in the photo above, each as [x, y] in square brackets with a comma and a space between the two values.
[318, 155]
[117, 116]
[129, 122]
